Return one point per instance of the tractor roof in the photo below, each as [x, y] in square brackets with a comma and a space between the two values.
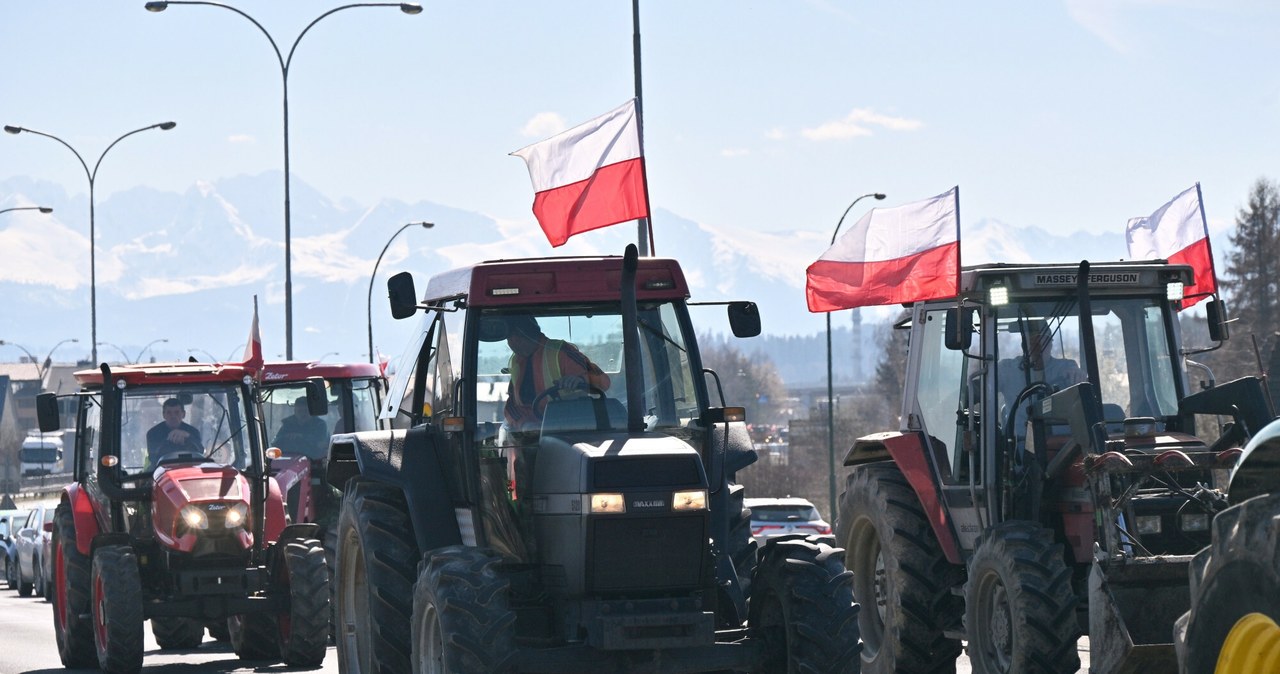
[301, 370]
[1104, 277]
[556, 280]
[167, 374]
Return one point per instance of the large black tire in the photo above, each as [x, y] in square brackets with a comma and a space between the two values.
[900, 574]
[462, 619]
[117, 610]
[304, 630]
[174, 633]
[218, 630]
[1238, 575]
[254, 636]
[802, 608]
[1019, 605]
[377, 566]
[72, 572]
[11, 572]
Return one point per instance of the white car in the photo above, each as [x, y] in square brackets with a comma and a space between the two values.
[791, 515]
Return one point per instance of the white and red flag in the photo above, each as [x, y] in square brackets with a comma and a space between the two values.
[891, 256]
[1179, 233]
[252, 359]
[590, 176]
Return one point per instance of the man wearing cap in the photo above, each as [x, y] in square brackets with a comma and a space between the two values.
[539, 364]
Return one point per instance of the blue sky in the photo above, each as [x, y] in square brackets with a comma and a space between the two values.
[761, 115]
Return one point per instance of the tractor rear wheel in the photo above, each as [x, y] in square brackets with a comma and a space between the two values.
[174, 633]
[802, 608]
[117, 609]
[1019, 605]
[900, 574]
[72, 572]
[462, 621]
[377, 566]
[304, 630]
[1235, 592]
[254, 636]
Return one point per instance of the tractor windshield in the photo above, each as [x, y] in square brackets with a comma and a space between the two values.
[1039, 341]
[187, 421]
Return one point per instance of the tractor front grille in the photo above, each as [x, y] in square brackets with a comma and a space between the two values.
[646, 553]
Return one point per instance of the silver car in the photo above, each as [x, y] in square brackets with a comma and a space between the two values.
[791, 515]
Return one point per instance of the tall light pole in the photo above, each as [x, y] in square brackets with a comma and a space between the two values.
[369, 301]
[93, 243]
[148, 346]
[30, 356]
[123, 355]
[42, 209]
[48, 359]
[831, 395]
[406, 7]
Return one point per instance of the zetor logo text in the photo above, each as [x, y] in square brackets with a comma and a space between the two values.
[1100, 278]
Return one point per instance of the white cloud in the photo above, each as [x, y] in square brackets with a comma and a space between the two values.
[241, 138]
[858, 123]
[544, 125]
[776, 133]
[732, 152]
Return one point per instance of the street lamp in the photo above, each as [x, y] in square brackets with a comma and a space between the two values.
[92, 175]
[831, 414]
[148, 346]
[42, 209]
[30, 356]
[48, 359]
[406, 7]
[369, 301]
[122, 353]
[212, 359]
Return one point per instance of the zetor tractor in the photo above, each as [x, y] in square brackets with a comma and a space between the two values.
[1048, 477]
[609, 535]
[186, 533]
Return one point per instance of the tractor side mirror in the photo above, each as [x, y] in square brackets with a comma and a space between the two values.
[1216, 314]
[47, 412]
[957, 329]
[317, 398]
[404, 299]
[744, 319]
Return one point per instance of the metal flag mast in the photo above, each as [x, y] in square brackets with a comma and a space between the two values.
[644, 232]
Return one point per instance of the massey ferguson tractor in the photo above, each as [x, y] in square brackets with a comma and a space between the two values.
[602, 532]
[173, 516]
[1048, 477]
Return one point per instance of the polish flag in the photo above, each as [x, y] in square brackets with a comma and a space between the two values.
[252, 359]
[1179, 233]
[891, 256]
[588, 177]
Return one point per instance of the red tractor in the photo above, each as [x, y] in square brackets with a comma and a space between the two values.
[1048, 477]
[173, 516]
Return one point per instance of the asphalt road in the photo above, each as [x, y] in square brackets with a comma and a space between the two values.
[27, 646]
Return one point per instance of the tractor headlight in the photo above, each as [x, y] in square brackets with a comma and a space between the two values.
[1149, 524]
[1195, 522]
[610, 504]
[694, 499]
[194, 517]
[237, 515]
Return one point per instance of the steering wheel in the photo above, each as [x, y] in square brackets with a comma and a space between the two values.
[557, 392]
[181, 455]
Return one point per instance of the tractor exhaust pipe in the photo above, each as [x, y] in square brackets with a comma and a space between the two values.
[631, 342]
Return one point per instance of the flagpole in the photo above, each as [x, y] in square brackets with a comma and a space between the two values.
[645, 225]
[1208, 244]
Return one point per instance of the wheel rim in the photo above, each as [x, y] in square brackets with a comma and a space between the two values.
[99, 615]
[869, 580]
[430, 643]
[994, 631]
[353, 603]
[1252, 645]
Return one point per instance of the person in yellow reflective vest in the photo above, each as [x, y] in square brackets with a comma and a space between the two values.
[540, 365]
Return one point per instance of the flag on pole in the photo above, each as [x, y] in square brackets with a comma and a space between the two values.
[1179, 233]
[588, 177]
[891, 256]
[252, 359]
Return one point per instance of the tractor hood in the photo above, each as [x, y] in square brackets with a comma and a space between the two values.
[615, 462]
[206, 501]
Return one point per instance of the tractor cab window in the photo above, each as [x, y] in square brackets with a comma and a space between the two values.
[183, 423]
[940, 390]
[290, 425]
[87, 434]
[364, 404]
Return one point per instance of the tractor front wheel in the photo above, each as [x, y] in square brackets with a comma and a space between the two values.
[304, 630]
[174, 633]
[462, 621]
[72, 572]
[1019, 605]
[802, 608]
[254, 636]
[117, 609]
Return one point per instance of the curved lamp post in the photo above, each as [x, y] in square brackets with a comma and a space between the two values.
[369, 301]
[48, 359]
[831, 413]
[212, 359]
[42, 209]
[93, 244]
[406, 7]
[148, 346]
[30, 356]
[123, 355]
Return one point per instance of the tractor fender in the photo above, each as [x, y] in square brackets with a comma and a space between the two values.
[907, 451]
[416, 461]
[82, 513]
[1258, 470]
[275, 512]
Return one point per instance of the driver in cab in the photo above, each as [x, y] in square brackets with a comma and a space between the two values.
[541, 368]
[173, 434]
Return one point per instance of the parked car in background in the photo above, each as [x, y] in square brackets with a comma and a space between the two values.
[791, 515]
[10, 522]
[30, 541]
